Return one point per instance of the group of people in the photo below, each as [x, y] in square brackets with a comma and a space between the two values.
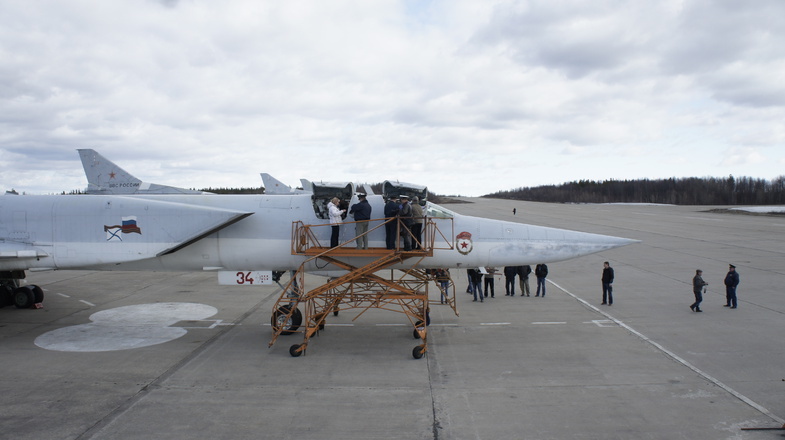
[411, 215]
[699, 288]
[477, 276]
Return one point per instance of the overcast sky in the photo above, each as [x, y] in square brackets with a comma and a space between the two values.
[465, 97]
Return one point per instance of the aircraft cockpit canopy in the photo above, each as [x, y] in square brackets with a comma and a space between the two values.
[323, 192]
[396, 189]
[436, 211]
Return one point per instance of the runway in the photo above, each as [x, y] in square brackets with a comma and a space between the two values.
[125, 355]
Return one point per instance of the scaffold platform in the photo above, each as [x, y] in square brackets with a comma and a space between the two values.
[404, 290]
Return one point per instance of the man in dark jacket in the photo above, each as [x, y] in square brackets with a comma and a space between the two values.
[523, 273]
[407, 220]
[607, 283]
[391, 227]
[362, 213]
[731, 281]
[509, 280]
[541, 271]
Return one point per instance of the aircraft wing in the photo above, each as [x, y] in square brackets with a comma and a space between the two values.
[19, 251]
[63, 232]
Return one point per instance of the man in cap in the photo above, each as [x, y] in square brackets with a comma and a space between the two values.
[731, 281]
[362, 214]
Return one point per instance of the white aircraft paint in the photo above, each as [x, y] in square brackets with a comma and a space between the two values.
[125, 328]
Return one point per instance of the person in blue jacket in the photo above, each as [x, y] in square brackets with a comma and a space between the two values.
[362, 213]
[731, 281]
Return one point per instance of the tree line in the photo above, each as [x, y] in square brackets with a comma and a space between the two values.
[677, 191]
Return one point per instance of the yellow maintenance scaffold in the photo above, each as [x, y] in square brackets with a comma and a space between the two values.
[361, 287]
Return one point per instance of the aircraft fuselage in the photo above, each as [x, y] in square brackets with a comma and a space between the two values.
[243, 232]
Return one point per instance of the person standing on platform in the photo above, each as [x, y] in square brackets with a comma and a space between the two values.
[607, 283]
[418, 222]
[335, 220]
[362, 214]
[731, 281]
[406, 215]
[391, 227]
[697, 287]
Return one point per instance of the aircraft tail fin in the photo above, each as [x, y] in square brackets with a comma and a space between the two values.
[104, 176]
[274, 186]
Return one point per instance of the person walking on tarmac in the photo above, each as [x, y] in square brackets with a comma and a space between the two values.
[697, 286]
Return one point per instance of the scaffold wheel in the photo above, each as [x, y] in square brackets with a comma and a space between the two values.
[418, 352]
[295, 350]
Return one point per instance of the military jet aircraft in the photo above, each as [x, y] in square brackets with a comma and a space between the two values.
[237, 233]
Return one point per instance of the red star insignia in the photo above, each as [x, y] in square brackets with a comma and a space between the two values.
[112, 174]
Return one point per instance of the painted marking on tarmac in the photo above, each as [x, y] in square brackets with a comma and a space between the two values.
[601, 323]
[494, 323]
[124, 328]
[547, 323]
[675, 357]
[86, 302]
[63, 295]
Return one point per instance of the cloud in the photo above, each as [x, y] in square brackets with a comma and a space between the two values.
[458, 95]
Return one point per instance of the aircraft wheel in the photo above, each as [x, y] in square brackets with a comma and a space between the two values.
[287, 326]
[38, 293]
[417, 352]
[295, 351]
[24, 297]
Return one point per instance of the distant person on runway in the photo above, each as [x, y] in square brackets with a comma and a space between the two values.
[607, 283]
[731, 281]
